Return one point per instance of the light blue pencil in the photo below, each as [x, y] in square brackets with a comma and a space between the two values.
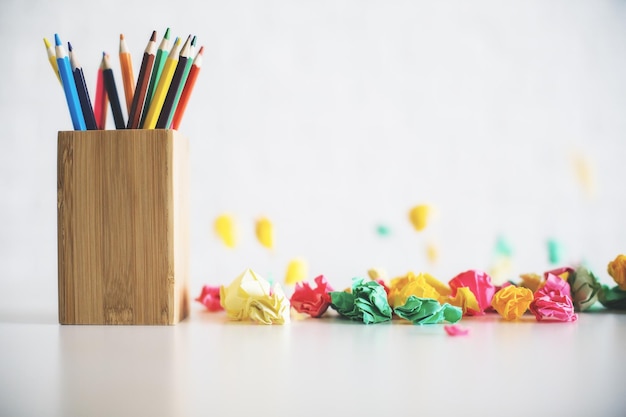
[69, 86]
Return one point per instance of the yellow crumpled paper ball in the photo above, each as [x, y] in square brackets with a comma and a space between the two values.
[617, 270]
[422, 285]
[250, 297]
[511, 302]
[531, 281]
[465, 299]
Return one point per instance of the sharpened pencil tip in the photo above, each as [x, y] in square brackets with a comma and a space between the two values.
[153, 37]
[167, 34]
[69, 47]
[193, 41]
[121, 36]
[201, 50]
[57, 40]
[46, 42]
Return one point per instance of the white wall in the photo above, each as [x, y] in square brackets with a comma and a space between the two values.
[332, 116]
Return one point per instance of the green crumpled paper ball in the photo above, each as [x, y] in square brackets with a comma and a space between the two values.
[367, 302]
[428, 311]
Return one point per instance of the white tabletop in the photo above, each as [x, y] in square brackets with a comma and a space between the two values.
[208, 366]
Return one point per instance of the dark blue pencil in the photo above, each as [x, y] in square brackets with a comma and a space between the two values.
[114, 99]
[83, 93]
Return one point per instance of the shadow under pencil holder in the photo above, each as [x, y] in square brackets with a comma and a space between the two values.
[123, 231]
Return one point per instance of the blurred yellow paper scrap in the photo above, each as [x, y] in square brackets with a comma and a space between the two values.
[224, 227]
[265, 232]
[432, 252]
[297, 271]
[419, 216]
[583, 170]
[250, 297]
[376, 274]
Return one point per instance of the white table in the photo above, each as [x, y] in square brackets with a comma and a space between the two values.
[208, 366]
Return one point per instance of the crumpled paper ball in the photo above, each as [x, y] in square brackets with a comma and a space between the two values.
[617, 270]
[427, 311]
[250, 297]
[367, 302]
[210, 298]
[553, 302]
[422, 285]
[479, 284]
[312, 301]
[584, 287]
[511, 302]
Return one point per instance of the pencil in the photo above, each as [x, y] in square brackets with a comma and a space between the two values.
[178, 81]
[191, 81]
[142, 83]
[81, 88]
[179, 91]
[102, 101]
[159, 62]
[52, 57]
[109, 84]
[161, 90]
[71, 95]
[128, 76]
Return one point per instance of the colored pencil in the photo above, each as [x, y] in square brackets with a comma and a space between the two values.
[128, 76]
[179, 91]
[164, 83]
[142, 83]
[52, 57]
[159, 62]
[71, 95]
[109, 84]
[192, 48]
[81, 88]
[177, 83]
[191, 81]
[102, 101]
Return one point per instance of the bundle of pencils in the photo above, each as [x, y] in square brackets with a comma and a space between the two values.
[157, 99]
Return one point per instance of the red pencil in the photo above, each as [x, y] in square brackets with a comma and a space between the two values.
[191, 81]
[102, 101]
[142, 83]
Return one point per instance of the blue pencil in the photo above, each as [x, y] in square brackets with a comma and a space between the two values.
[71, 94]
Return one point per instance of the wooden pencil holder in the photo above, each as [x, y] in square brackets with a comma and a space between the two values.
[123, 231]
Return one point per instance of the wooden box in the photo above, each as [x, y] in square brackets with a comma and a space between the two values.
[123, 231]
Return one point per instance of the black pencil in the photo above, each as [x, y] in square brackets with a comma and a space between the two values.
[114, 99]
[83, 93]
[172, 92]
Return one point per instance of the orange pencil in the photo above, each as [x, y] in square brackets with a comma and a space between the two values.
[128, 77]
[191, 81]
[102, 101]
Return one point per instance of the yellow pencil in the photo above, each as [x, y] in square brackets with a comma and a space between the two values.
[52, 57]
[161, 90]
